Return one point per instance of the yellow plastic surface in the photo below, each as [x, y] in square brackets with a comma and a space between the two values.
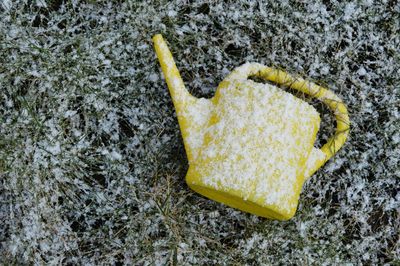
[251, 145]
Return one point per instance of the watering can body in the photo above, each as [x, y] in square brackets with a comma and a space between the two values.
[251, 146]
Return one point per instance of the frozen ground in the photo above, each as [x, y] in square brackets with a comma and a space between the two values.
[92, 164]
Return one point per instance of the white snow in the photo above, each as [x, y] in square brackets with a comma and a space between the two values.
[349, 10]
[54, 149]
[116, 156]
[7, 4]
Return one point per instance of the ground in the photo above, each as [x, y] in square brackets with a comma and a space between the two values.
[92, 163]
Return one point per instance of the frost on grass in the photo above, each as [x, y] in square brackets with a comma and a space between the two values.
[91, 161]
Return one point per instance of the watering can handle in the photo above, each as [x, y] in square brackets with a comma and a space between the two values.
[334, 103]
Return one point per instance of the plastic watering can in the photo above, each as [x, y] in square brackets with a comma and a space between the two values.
[251, 146]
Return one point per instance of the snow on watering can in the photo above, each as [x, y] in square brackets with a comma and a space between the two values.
[251, 146]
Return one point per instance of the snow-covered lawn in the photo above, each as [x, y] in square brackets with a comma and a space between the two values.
[92, 164]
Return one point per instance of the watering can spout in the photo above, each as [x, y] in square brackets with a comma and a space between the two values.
[179, 94]
[192, 112]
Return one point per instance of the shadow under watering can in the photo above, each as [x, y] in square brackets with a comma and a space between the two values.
[251, 146]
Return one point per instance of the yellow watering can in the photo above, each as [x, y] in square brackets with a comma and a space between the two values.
[251, 146]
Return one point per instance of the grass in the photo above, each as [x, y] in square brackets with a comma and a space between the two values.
[92, 163]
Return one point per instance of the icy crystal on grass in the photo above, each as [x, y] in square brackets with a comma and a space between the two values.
[297, 35]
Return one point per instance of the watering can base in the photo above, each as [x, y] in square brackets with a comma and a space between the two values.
[238, 202]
